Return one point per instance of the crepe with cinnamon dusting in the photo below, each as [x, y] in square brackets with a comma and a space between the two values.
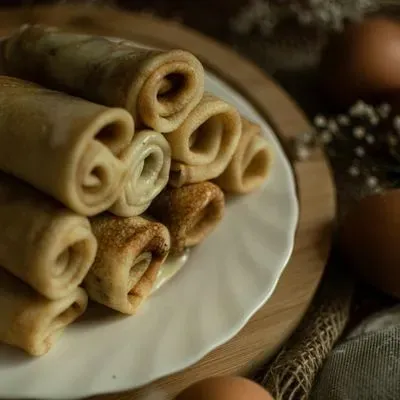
[202, 147]
[66, 147]
[250, 164]
[159, 88]
[130, 254]
[42, 242]
[32, 322]
[190, 213]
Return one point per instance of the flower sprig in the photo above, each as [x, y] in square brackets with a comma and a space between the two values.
[264, 15]
[365, 141]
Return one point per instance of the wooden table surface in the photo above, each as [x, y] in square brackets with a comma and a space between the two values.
[268, 329]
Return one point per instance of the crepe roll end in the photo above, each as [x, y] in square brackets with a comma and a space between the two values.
[149, 160]
[205, 143]
[100, 168]
[211, 128]
[56, 316]
[67, 253]
[114, 128]
[190, 213]
[131, 252]
[146, 265]
[174, 86]
[258, 167]
[248, 172]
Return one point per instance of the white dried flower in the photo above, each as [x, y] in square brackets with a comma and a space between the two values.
[333, 126]
[359, 132]
[372, 181]
[392, 140]
[370, 139]
[354, 171]
[359, 151]
[370, 111]
[324, 14]
[343, 120]
[384, 110]
[302, 152]
[307, 137]
[374, 119]
[326, 137]
[320, 121]
[396, 123]
[256, 14]
[359, 109]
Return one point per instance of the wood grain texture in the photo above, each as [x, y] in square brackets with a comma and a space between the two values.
[277, 319]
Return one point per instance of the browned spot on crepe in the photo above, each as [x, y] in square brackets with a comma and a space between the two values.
[115, 279]
[190, 213]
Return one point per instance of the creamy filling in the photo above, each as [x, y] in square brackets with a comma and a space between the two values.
[170, 268]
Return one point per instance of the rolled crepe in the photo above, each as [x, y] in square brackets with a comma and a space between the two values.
[250, 165]
[149, 161]
[41, 242]
[131, 252]
[190, 213]
[62, 145]
[32, 322]
[204, 144]
[159, 88]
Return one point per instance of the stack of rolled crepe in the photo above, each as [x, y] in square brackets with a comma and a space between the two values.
[51, 249]
[85, 155]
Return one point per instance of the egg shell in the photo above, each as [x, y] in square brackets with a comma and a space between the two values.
[225, 388]
[370, 240]
[362, 61]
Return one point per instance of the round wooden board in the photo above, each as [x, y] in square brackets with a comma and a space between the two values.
[276, 320]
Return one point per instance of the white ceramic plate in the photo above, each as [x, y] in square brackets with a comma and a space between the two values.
[225, 281]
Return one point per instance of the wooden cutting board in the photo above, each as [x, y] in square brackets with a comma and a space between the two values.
[276, 320]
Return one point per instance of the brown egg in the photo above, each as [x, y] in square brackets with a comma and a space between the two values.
[370, 240]
[363, 61]
[225, 388]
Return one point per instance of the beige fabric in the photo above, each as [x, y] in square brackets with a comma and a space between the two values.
[32, 322]
[130, 254]
[250, 165]
[64, 146]
[158, 88]
[149, 161]
[291, 374]
[41, 242]
[204, 144]
[190, 213]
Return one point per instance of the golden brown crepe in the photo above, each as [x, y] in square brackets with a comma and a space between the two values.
[130, 254]
[190, 213]
[62, 145]
[203, 145]
[250, 165]
[41, 242]
[149, 162]
[159, 88]
[32, 322]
